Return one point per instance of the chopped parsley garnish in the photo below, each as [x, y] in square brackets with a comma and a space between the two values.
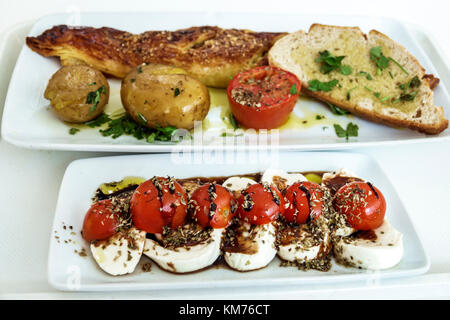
[233, 122]
[73, 131]
[125, 125]
[408, 96]
[405, 96]
[346, 70]
[142, 119]
[176, 92]
[93, 98]
[382, 62]
[99, 121]
[338, 111]
[294, 89]
[330, 63]
[351, 131]
[227, 134]
[132, 80]
[316, 85]
[139, 69]
[368, 75]
[320, 117]
[349, 92]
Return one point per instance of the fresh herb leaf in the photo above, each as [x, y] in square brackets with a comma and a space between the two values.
[368, 75]
[99, 121]
[399, 65]
[73, 131]
[349, 92]
[346, 70]
[142, 119]
[320, 117]
[338, 111]
[350, 131]
[227, 134]
[93, 98]
[381, 61]
[330, 63]
[294, 89]
[316, 85]
[415, 82]
[125, 125]
[233, 122]
[176, 92]
[408, 96]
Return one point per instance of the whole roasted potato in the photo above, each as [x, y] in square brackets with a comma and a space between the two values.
[77, 93]
[158, 95]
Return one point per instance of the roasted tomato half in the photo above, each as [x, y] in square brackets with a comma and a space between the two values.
[263, 97]
[260, 204]
[100, 221]
[304, 202]
[362, 203]
[212, 205]
[158, 202]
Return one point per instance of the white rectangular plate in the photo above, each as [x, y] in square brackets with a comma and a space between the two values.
[29, 122]
[69, 271]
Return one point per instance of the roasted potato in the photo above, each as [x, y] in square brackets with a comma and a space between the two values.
[77, 93]
[158, 95]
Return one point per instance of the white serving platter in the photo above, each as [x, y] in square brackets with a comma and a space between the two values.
[69, 271]
[29, 122]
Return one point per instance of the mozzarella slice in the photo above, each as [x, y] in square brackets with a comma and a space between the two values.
[238, 183]
[263, 245]
[303, 250]
[186, 259]
[383, 252]
[119, 254]
[281, 179]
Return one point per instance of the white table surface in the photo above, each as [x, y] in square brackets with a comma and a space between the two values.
[30, 179]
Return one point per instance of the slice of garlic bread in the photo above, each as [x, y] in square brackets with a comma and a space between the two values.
[370, 75]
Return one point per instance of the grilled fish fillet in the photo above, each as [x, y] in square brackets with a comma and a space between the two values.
[210, 54]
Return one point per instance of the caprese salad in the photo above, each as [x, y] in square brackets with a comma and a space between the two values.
[187, 225]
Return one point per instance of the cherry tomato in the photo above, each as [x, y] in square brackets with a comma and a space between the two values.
[212, 206]
[362, 203]
[263, 97]
[100, 222]
[260, 204]
[300, 196]
[158, 202]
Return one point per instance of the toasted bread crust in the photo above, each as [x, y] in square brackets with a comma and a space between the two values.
[383, 119]
[430, 81]
[211, 54]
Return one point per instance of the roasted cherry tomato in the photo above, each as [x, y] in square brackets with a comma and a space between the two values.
[158, 202]
[263, 97]
[212, 205]
[260, 204]
[362, 203]
[305, 200]
[100, 222]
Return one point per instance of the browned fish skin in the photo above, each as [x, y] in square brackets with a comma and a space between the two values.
[211, 54]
